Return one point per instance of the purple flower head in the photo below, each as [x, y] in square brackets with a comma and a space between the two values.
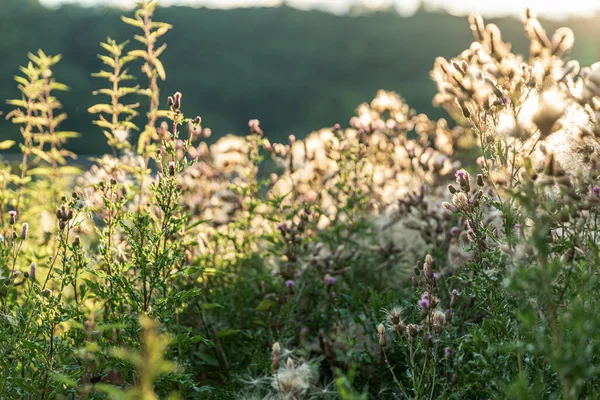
[12, 215]
[596, 190]
[290, 284]
[453, 231]
[329, 280]
[505, 100]
[448, 351]
[424, 301]
[461, 174]
[436, 276]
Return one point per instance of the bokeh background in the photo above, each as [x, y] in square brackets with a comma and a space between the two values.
[297, 66]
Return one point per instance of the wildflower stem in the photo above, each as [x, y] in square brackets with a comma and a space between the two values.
[391, 369]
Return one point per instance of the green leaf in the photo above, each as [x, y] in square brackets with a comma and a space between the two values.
[265, 305]
[7, 144]
[210, 306]
[64, 379]
[208, 359]
[227, 332]
[132, 22]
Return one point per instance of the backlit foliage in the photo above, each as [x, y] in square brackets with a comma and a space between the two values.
[381, 259]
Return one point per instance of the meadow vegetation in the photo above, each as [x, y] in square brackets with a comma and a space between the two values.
[395, 256]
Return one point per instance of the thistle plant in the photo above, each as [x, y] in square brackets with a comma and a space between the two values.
[360, 261]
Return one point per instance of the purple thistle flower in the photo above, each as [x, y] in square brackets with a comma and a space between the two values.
[424, 301]
[461, 174]
[329, 280]
[12, 217]
[290, 284]
[448, 351]
[596, 191]
[436, 276]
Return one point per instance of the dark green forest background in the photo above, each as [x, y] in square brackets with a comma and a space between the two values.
[296, 71]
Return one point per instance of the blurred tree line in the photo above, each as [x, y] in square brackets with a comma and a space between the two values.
[296, 71]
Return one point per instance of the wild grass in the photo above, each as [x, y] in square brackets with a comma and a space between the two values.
[367, 263]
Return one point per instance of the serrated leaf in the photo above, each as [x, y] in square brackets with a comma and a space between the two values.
[64, 379]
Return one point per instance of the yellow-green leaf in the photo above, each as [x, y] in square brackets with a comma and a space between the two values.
[132, 22]
[6, 144]
[160, 69]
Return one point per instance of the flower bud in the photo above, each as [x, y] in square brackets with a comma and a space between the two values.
[413, 330]
[12, 217]
[32, 271]
[480, 182]
[254, 125]
[24, 230]
[381, 335]
[449, 207]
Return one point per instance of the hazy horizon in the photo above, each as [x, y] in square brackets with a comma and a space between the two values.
[545, 8]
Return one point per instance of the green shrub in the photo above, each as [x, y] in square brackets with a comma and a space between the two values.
[344, 267]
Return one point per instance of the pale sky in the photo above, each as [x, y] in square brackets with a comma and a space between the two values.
[547, 8]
